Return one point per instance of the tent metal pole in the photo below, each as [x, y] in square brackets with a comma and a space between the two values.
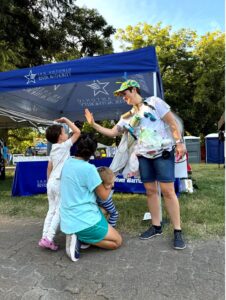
[155, 84]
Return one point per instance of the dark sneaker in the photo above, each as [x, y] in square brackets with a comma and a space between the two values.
[72, 246]
[77, 248]
[150, 233]
[178, 242]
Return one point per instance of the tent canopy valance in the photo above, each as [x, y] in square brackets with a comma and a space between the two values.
[46, 92]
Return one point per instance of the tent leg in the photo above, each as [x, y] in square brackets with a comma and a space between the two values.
[154, 84]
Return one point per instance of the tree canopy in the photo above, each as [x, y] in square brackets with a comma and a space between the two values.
[19, 139]
[192, 67]
[192, 70]
[37, 32]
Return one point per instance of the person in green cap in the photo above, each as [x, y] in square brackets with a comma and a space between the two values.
[156, 140]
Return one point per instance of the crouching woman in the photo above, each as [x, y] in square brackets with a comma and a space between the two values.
[81, 219]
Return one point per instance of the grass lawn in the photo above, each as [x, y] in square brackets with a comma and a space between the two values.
[202, 213]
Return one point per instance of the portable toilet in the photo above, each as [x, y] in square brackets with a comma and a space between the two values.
[214, 149]
[193, 148]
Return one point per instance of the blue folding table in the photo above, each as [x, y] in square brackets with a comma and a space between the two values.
[30, 178]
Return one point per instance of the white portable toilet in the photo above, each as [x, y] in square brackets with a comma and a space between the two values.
[194, 149]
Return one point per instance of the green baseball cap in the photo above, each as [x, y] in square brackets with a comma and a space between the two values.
[125, 85]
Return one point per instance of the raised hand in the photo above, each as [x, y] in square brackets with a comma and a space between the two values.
[89, 117]
[62, 120]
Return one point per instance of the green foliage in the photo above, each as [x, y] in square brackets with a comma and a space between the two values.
[192, 69]
[19, 139]
[98, 136]
[38, 32]
[8, 58]
[209, 94]
[35, 206]
[88, 31]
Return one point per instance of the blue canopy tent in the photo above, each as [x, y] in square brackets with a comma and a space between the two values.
[43, 93]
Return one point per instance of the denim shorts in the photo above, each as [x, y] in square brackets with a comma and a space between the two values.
[94, 234]
[157, 169]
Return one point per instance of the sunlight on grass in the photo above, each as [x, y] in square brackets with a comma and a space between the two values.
[202, 213]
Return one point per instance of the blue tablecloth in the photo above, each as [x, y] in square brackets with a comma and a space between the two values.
[122, 185]
[30, 179]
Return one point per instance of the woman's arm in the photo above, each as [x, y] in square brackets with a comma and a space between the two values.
[102, 191]
[180, 146]
[105, 131]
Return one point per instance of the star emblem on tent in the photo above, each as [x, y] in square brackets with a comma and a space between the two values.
[30, 77]
[99, 87]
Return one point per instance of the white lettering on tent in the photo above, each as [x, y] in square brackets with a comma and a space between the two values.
[88, 102]
[54, 74]
[61, 73]
[44, 93]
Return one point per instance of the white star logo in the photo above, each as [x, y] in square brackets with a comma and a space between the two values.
[99, 87]
[30, 77]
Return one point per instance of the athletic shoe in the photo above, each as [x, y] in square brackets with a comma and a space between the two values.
[68, 242]
[150, 233]
[77, 248]
[84, 246]
[46, 243]
[72, 247]
[178, 242]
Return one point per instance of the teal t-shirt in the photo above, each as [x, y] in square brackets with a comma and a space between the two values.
[78, 207]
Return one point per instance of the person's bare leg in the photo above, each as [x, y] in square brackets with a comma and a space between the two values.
[112, 240]
[171, 203]
[173, 208]
[153, 202]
